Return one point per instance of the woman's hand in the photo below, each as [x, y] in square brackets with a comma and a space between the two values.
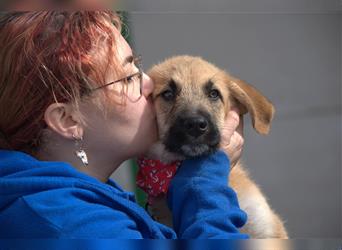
[232, 136]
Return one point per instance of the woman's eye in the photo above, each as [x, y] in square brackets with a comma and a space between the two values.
[168, 95]
[214, 94]
[130, 79]
[134, 77]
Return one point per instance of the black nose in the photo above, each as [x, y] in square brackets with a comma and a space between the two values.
[195, 126]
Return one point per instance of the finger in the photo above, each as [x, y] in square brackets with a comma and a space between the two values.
[235, 148]
[236, 141]
[231, 123]
[235, 157]
[240, 127]
[241, 123]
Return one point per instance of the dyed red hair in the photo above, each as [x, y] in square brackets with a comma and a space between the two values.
[45, 57]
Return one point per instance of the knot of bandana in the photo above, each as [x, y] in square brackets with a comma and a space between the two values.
[154, 176]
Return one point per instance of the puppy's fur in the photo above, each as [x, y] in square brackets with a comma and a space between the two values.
[192, 98]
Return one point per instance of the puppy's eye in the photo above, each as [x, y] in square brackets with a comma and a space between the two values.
[214, 94]
[168, 95]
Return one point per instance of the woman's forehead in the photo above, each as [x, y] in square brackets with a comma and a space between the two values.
[122, 49]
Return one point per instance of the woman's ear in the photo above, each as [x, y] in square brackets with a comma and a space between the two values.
[64, 120]
[259, 107]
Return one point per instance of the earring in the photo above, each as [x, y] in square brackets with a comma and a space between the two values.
[80, 153]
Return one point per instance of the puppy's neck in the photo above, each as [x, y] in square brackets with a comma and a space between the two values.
[159, 152]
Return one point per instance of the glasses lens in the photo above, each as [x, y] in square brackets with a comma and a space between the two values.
[132, 87]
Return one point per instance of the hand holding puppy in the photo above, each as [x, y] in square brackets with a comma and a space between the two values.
[232, 136]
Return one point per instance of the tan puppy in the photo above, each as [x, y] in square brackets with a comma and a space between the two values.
[192, 98]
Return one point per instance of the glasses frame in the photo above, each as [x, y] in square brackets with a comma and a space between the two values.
[138, 64]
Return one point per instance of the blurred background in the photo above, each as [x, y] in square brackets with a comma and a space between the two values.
[291, 52]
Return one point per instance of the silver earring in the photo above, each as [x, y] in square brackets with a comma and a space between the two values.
[80, 153]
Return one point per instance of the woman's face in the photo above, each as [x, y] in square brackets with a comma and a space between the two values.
[129, 129]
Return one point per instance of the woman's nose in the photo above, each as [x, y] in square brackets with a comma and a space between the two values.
[148, 85]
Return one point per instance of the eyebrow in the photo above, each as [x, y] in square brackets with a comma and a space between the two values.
[128, 59]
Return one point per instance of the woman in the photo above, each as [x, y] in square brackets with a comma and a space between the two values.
[73, 106]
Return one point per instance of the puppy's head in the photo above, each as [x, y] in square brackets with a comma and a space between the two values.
[192, 98]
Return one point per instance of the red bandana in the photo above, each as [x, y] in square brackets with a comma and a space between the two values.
[154, 176]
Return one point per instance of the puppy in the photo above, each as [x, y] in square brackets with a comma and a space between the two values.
[192, 98]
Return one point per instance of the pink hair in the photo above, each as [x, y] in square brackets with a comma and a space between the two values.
[44, 58]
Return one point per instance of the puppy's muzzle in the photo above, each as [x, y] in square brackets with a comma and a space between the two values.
[192, 134]
[195, 126]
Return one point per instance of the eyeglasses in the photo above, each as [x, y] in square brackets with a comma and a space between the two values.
[128, 84]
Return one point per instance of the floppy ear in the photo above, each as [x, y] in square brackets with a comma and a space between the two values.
[260, 109]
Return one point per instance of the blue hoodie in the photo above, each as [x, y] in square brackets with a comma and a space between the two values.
[41, 199]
